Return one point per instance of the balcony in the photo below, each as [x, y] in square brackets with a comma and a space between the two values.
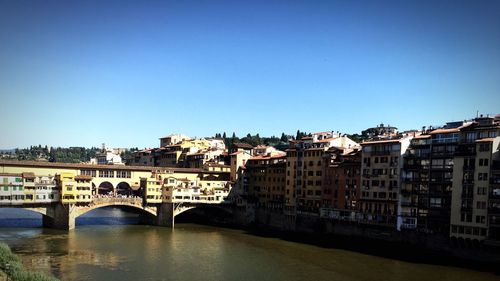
[494, 194]
[465, 150]
[494, 221]
[495, 166]
[469, 168]
[408, 204]
[467, 195]
[494, 211]
[466, 209]
[468, 181]
[381, 153]
[406, 192]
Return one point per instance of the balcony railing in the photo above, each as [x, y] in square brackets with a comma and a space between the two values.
[469, 168]
[466, 209]
[465, 150]
[494, 211]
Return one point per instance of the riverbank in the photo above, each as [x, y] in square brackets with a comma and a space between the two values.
[375, 242]
[11, 268]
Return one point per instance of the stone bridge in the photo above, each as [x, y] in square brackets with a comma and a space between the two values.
[63, 216]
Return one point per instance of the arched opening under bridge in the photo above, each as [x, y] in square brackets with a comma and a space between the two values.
[21, 217]
[113, 215]
[205, 214]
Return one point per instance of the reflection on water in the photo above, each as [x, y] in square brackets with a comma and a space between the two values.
[193, 252]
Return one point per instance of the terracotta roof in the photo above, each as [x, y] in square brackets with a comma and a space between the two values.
[261, 157]
[451, 130]
[83, 177]
[99, 167]
[327, 140]
[28, 175]
[242, 145]
[485, 140]
[445, 131]
[422, 137]
[10, 175]
[322, 133]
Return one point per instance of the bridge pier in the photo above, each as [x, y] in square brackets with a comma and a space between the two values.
[165, 215]
[60, 216]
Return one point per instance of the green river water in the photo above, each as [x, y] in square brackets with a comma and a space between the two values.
[116, 250]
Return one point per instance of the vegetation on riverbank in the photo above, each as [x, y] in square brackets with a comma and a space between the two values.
[14, 269]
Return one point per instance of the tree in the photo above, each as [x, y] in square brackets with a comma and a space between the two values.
[283, 137]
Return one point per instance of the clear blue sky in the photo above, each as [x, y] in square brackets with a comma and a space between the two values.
[127, 72]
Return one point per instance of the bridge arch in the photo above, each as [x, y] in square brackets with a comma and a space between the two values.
[41, 211]
[84, 210]
[182, 208]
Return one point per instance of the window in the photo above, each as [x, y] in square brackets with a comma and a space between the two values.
[123, 174]
[481, 190]
[483, 162]
[106, 174]
[435, 202]
[484, 147]
[481, 205]
[482, 177]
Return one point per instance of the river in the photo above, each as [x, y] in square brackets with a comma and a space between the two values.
[107, 245]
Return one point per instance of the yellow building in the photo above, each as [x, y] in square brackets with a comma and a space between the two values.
[74, 188]
[152, 188]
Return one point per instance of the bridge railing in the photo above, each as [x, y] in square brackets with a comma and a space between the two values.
[117, 200]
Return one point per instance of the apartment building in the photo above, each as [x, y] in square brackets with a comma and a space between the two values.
[475, 208]
[341, 181]
[428, 178]
[304, 171]
[381, 165]
[265, 177]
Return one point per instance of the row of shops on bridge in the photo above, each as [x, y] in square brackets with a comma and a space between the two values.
[84, 185]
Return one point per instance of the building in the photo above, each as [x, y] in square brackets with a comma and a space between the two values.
[263, 150]
[304, 172]
[380, 131]
[341, 182]
[12, 190]
[173, 139]
[74, 188]
[108, 156]
[143, 157]
[475, 206]
[427, 178]
[382, 161]
[265, 179]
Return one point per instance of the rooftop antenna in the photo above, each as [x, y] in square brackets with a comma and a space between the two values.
[477, 113]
